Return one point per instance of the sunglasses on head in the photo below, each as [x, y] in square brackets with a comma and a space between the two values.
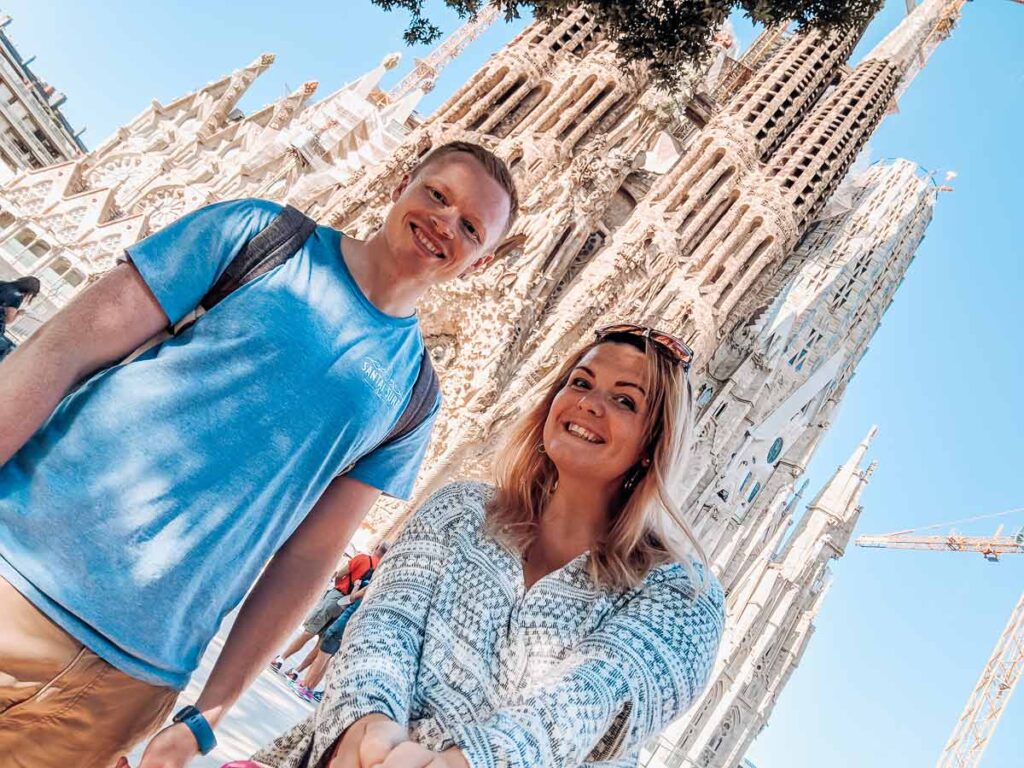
[675, 349]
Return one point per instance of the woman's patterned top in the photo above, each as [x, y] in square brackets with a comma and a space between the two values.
[449, 642]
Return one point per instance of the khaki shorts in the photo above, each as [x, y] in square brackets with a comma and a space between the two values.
[61, 705]
[324, 612]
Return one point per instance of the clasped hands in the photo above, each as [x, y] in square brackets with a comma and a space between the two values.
[376, 741]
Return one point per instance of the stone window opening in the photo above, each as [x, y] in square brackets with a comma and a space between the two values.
[59, 280]
[594, 242]
[697, 238]
[567, 91]
[550, 260]
[497, 102]
[622, 204]
[610, 118]
[753, 260]
[706, 167]
[474, 96]
[26, 249]
[589, 107]
[521, 111]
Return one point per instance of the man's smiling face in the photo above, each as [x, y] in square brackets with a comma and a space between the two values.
[446, 219]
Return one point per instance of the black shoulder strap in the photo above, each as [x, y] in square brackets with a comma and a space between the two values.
[421, 402]
[274, 245]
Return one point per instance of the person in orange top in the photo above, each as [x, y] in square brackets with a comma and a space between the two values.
[329, 607]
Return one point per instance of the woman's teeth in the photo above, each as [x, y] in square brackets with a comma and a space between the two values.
[586, 434]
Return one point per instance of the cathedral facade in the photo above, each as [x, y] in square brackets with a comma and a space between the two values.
[733, 216]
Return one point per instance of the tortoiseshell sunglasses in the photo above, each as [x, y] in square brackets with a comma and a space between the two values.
[675, 349]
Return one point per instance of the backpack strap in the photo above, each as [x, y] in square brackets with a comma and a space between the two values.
[421, 402]
[424, 395]
[271, 247]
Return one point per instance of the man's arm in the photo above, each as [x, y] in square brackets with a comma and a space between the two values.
[276, 604]
[101, 325]
[357, 594]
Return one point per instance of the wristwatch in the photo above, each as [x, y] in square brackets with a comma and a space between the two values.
[199, 726]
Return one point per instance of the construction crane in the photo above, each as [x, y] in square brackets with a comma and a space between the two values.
[426, 69]
[1002, 672]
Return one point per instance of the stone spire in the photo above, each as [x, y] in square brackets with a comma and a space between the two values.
[904, 44]
[839, 498]
[238, 85]
[915, 39]
[288, 107]
[794, 78]
[825, 529]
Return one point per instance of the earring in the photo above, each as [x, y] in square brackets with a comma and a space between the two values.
[540, 448]
[632, 480]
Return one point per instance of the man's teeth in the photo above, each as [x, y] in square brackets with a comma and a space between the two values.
[426, 243]
[586, 434]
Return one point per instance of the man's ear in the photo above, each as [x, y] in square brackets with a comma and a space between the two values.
[502, 250]
[402, 185]
[479, 264]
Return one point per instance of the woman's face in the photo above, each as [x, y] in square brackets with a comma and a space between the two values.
[595, 430]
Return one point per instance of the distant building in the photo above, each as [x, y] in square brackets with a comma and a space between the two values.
[33, 132]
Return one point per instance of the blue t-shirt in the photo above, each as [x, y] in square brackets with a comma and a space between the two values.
[143, 510]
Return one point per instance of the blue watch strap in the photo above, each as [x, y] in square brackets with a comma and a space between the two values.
[200, 727]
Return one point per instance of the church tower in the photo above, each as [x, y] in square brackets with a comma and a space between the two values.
[777, 600]
[695, 245]
[771, 385]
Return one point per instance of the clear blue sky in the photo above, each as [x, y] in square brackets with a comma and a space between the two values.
[903, 635]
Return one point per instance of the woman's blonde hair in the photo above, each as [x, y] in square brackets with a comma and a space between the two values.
[647, 528]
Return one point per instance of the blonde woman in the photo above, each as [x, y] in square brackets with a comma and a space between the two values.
[560, 618]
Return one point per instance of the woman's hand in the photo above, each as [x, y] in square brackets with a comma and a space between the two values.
[412, 755]
[367, 742]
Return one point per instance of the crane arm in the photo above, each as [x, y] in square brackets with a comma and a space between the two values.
[988, 700]
[990, 546]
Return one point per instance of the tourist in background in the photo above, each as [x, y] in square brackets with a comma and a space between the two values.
[330, 640]
[563, 616]
[329, 607]
[14, 297]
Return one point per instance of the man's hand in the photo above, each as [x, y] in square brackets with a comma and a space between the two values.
[173, 747]
[367, 742]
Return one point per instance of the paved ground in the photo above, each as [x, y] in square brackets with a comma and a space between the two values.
[267, 708]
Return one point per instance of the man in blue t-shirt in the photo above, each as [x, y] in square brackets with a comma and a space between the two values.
[138, 510]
